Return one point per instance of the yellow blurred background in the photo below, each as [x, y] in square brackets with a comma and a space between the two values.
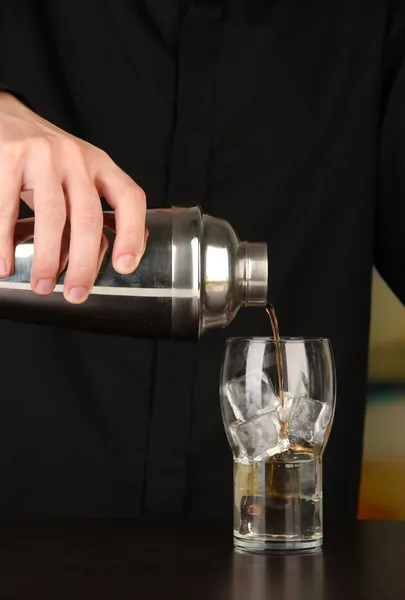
[382, 493]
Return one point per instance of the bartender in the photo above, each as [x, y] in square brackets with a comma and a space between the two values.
[285, 118]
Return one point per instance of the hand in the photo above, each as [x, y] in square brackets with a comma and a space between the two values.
[24, 231]
[62, 178]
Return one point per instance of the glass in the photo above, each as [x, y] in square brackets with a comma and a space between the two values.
[277, 402]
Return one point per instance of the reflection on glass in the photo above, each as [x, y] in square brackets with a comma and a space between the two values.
[258, 577]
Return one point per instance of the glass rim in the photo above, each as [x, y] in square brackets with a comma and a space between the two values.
[299, 339]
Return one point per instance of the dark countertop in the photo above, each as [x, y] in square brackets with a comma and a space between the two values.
[130, 559]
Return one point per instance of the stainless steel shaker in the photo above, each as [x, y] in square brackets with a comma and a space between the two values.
[194, 276]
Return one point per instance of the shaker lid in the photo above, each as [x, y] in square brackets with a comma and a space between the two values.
[255, 273]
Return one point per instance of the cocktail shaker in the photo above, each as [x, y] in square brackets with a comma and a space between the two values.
[194, 276]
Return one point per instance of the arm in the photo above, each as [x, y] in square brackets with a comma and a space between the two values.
[60, 176]
[389, 249]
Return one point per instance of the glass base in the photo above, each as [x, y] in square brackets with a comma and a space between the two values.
[276, 544]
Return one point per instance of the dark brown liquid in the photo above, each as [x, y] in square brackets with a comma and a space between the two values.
[279, 364]
[279, 359]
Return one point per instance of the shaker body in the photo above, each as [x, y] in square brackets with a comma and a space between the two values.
[174, 292]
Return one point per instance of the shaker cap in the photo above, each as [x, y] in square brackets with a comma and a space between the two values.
[255, 273]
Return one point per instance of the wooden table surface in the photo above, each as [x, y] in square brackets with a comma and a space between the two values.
[130, 559]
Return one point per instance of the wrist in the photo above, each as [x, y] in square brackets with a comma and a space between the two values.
[10, 104]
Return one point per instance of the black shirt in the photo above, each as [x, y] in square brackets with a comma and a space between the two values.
[284, 117]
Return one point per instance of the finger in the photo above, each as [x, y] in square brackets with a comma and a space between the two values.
[50, 218]
[64, 254]
[11, 167]
[86, 226]
[146, 236]
[129, 203]
[24, 231]
[109, 223]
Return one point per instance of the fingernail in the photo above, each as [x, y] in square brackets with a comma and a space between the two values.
[3, 267]
[126, 263]
[77, 295]
[44, 286]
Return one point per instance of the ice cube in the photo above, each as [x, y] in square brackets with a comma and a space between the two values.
[250, 395]
[260, 437]
[237, 451]
[286, 408]
[309, 421]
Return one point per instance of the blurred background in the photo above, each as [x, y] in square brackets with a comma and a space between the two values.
[382, 493]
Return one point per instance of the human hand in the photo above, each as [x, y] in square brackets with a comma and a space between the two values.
[61, 178]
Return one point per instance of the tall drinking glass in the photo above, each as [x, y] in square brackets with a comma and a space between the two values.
[277, 402]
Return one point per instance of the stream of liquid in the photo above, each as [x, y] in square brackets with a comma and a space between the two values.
[279, 358]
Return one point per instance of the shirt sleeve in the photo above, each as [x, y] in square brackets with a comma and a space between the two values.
[4, 87]
[389, 235]
[25, 50]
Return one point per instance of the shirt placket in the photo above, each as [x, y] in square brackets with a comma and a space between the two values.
[175, 364]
